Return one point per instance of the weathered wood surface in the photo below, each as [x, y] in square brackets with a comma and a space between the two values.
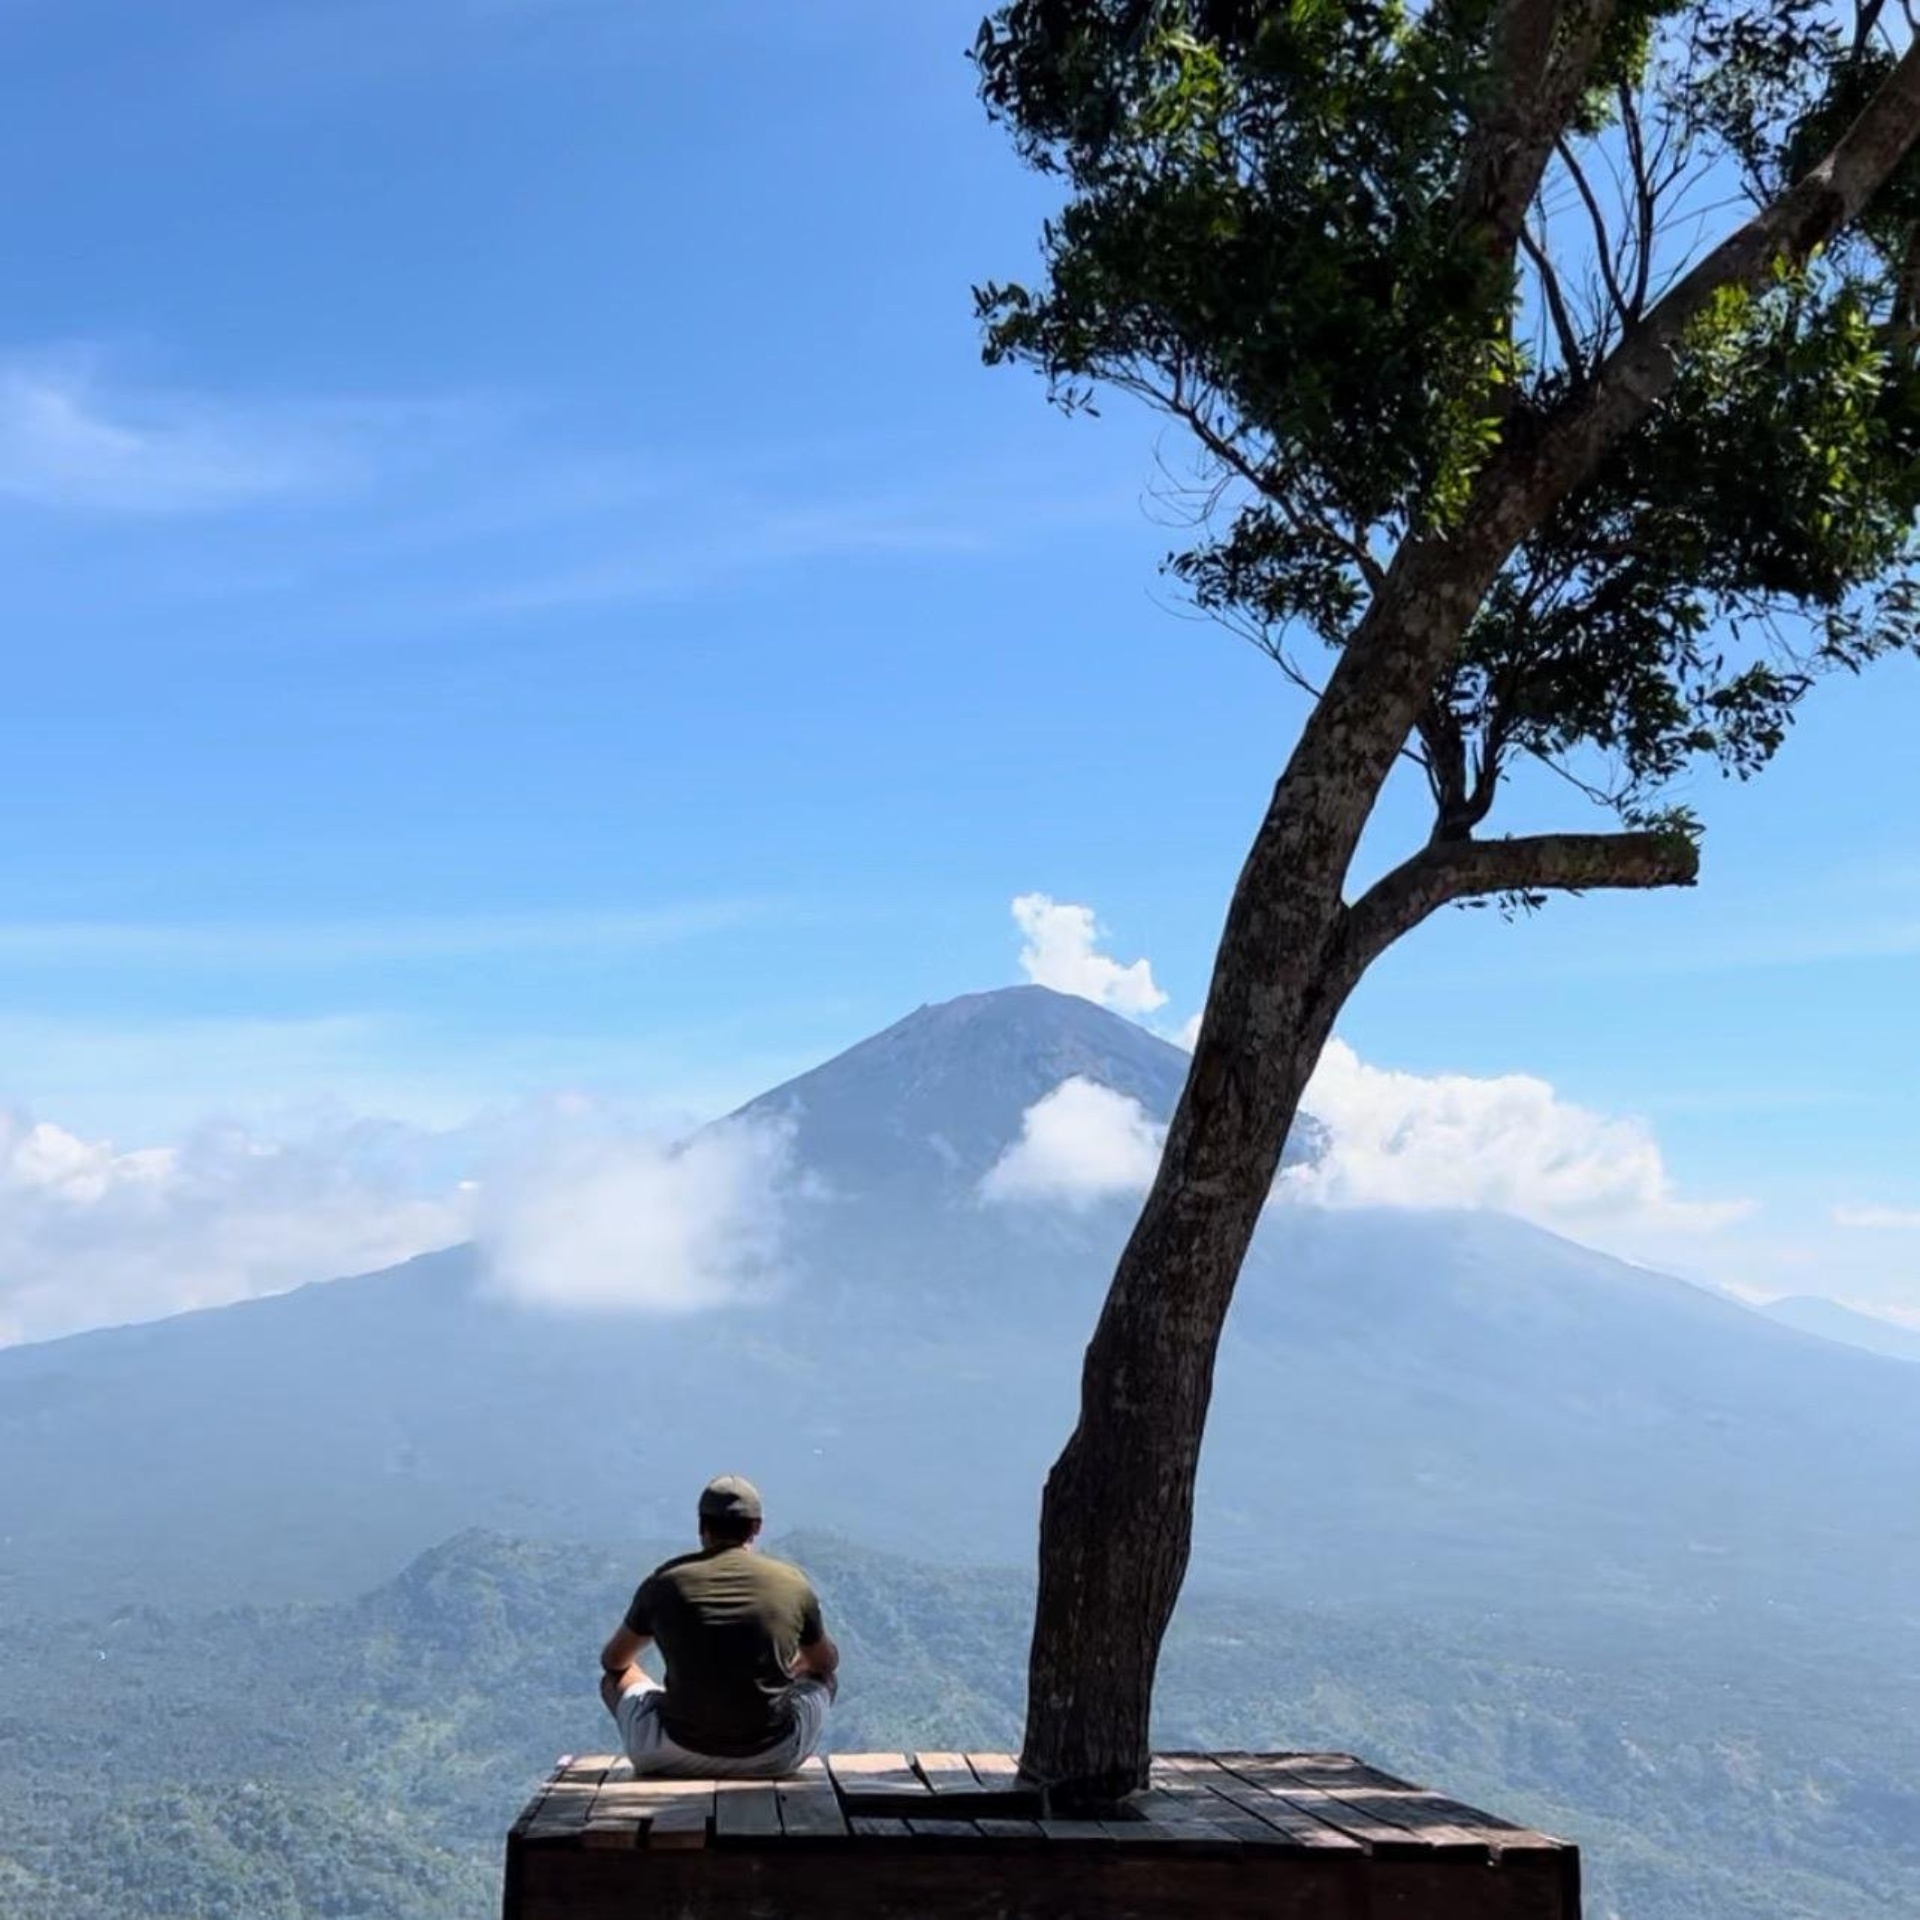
[897, 1836]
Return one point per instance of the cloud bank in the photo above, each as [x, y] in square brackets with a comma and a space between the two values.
[1508, 1143]
[1062, 951]
[91, 1235]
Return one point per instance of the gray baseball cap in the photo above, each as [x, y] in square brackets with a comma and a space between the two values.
[730, 1498]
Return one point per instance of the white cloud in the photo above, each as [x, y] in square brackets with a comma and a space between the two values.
[1060, 953]
[1082, 1143]
[575, 1201]
[77, 435]
[1878, 1219]
[63, 442]
[632, 1225]
[1188, 1035]
[1508, 1143]
[91, 1235]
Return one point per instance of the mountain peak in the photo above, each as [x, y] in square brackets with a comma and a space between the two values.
[941, 1093]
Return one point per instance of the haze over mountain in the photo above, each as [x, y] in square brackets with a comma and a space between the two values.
[1831, 1321]
[1447, 1409]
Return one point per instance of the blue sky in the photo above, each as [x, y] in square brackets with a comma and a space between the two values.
[517, 580]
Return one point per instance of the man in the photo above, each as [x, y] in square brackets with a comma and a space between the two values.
[750, 1669]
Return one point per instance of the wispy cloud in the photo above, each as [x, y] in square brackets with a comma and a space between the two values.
[1878, 1219]
[341, 942]
[78, 435]
[736, 537]
[63, 443]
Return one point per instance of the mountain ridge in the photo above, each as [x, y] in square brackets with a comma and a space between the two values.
[1829, 1320]
[1435, 1409]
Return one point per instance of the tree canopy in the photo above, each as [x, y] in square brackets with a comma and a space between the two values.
[1268, 236]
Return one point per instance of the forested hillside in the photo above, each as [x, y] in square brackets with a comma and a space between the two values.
[362, 1760]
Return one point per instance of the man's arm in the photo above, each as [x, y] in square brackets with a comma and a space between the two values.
[623, 1649]
[620, 1662]
[818, 1658]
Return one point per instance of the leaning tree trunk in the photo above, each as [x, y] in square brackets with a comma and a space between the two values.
[1116, 1519]
[1117, 1513]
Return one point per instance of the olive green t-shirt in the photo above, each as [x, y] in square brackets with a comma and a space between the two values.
[729, 1621]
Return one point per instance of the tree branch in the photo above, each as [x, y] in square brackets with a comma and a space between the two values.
[1641, 369]
[1603, 241]
[1466, 869]
[1543, 51]
[1571, 351]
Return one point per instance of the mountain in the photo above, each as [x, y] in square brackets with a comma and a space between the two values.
[1831, 1321]
[922, 1110]
[1447, 1411]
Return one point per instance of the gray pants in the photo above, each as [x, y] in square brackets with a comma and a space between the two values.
[637, 1714]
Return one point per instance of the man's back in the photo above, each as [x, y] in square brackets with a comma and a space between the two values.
[728, 1621]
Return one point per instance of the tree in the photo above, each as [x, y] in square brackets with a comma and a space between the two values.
[1511, 442]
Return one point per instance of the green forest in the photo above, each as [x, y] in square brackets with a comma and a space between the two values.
[362, 1761]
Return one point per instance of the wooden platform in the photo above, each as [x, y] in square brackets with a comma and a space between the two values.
[893, 1836]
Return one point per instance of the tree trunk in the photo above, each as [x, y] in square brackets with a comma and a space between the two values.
[1117, 1514]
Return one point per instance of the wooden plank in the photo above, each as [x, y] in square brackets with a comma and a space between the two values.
[947, 1773]
[1016, 1832]
[943, 1829]
[874, 1826]
[655, 1786]
[1408, 1807]
[1211, 1814]
[1382, 1836]
[1186, 1817]
[809, 1806]
[562, 1812]
[625, 1812]
[745, 1810]
[1349, 1777]
[1196, 1800]
[1091, 1833]
[997, 1772]
[681, 1823]
[1290, 1823]
[598, 1834]
[864, 1775]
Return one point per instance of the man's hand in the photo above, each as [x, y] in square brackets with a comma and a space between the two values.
[613, 1685]
[620, 1663]
[821, 1661]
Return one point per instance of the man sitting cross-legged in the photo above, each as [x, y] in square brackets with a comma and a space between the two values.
[750, 1670]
